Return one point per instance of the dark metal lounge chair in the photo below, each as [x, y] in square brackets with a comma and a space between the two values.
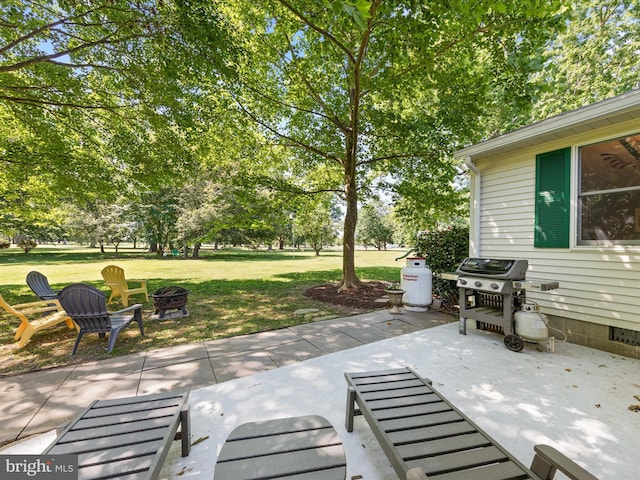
[425, 436]
[87, 306]
[126, 438]
[39, 284]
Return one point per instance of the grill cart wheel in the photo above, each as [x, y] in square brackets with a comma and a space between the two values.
[514, 343]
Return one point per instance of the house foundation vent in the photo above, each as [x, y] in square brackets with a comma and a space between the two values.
[624, 335]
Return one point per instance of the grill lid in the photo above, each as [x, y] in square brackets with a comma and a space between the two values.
[494, 268]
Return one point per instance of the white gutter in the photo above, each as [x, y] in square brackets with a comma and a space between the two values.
[474, 220]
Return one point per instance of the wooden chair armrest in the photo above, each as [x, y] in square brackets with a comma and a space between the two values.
[416, 474]
[547, 460]
[130, 308]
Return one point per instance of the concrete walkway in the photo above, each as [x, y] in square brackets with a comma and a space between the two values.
[38, 402]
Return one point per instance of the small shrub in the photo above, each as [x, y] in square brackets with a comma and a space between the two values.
[4, 244]
[444, 250]
[27, 244]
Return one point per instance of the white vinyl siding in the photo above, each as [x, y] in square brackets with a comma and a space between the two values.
[507, 210]
[597, 284]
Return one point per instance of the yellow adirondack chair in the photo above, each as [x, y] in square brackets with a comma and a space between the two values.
[114, 278]
[28, 326]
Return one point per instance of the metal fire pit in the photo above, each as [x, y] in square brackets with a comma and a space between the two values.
[170, 298]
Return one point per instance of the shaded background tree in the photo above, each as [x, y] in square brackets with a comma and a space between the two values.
[315, 221]
[375, 226]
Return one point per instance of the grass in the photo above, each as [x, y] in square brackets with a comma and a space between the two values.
[232, 292]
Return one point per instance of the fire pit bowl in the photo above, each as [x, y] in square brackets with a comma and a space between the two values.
[170, 298]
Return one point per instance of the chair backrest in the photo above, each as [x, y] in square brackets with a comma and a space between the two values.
[113, 274]
[39, 284]
[87, 306]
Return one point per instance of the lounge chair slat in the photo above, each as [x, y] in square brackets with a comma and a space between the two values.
[404, 400]
[100, 420]
[278, 426]
[101, 410]
[496, 471]
[285, 442]
[113, 469]
[389, 386]
[417, 421]
[158, 398]
[400, 376]
[459, 460]
[402, 392]
[113, 430]
[442, 446]
[88, 444]
[383, 414]
[120, 453]
[432, 432]
[356, 376]
[281, 465]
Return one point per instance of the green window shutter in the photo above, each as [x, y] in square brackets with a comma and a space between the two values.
[552, 199]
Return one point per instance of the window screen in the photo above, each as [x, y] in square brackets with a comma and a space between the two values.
[609, 191]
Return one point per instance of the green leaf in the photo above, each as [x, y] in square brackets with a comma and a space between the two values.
[336, 7]
[363, 7]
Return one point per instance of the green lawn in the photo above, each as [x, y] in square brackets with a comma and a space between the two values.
[232, 292]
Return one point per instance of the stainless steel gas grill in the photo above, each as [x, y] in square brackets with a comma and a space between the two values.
[491, 291]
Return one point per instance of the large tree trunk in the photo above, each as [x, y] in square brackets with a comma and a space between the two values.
[349, 277]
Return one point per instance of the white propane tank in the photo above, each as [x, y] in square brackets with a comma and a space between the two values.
[531, 325]
[415, 280]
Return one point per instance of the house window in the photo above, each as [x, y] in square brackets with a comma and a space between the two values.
[609, 192]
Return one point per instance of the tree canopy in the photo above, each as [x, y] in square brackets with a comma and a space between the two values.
[233, 114]
[99, 95]
[594, 58]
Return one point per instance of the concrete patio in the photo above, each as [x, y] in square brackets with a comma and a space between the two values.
[36, 402]
[576, 399]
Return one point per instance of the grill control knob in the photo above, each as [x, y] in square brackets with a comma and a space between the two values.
[495, 286]
[463, 281]
[478, 284]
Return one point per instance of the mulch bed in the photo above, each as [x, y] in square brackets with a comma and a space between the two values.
[363, 298]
